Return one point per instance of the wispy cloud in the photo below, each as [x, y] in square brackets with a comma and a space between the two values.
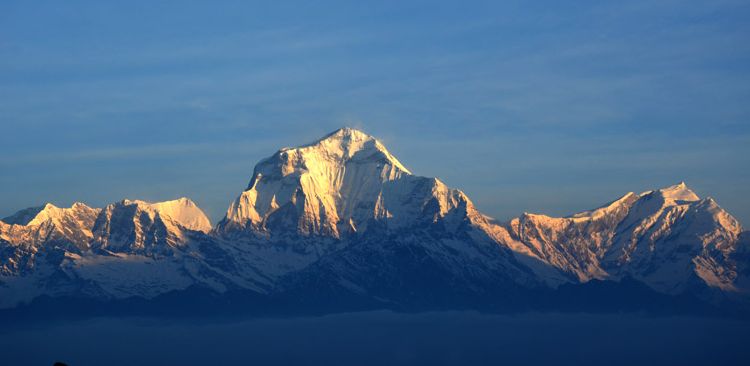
[133, 153]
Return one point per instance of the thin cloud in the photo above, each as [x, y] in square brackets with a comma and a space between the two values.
[127, 153]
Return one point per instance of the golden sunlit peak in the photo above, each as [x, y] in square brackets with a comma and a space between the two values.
[346, 133]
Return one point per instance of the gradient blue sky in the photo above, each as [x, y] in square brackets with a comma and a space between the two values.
[545, 106]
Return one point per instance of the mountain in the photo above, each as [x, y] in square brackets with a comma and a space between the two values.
[346, 189]
[128, 249]
[341, 224]
[344, 208]
[37, 232]
[332, 187]
[342, 185]
[669, 239]
[146, 228]
[68, 227]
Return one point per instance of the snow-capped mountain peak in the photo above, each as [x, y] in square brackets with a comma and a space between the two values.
[329, 156]
[332, 185]
[676, 194]
[23, 217]
[342, 214]
[49, 223]
[41, 214]
[135, 226]
[665, 238]
[621, 203]
[346, 143]
[51, 212]
[184, 212]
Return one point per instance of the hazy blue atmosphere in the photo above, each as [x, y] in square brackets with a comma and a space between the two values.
[383, 338]
[551, 107]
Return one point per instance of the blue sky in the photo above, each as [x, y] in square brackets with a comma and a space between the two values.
[546, 106]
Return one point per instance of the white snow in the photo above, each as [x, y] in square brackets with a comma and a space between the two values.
[317, 196]
[660, 237]
[678, 192]
[34, 226]
[185, 212]
[334, 186]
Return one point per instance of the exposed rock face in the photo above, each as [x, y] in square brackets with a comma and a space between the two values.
[669, 238]
[146, 228]
[130, 248]
[347, 189]
[337, 186]
[32, 232]
[343, 217]
[70, 227]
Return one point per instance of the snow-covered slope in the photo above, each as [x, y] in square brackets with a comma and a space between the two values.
[342, 217]
[183, 212]
[337, 186]
[147, 228]
[29, 234]
[669, 239]
[346, 189]
[130, 248]
[50, 224]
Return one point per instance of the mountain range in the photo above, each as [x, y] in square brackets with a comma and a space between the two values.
[341, 224]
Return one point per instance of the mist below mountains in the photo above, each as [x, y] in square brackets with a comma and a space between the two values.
[385, 338]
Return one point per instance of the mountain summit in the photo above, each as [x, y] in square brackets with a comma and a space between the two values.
[339, 185]
[669, 239]
[341, 223]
